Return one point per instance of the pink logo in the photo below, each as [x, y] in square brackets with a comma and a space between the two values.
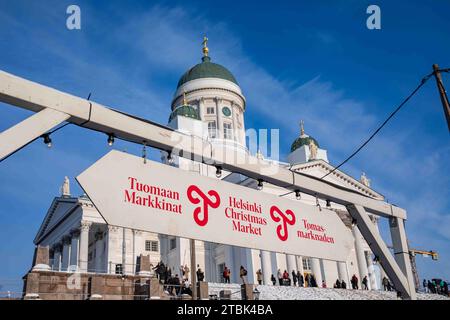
[287, 217]
[207, 202]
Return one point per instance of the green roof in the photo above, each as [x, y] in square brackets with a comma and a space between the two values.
[185, 111]
[206, 69]
[303, 141]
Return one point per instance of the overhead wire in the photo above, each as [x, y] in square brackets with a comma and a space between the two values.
[391, 115]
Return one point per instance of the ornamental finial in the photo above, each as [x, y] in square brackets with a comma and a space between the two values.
[302, 129]
[205, 46]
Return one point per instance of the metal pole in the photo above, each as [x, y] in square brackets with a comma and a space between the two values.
[442, 93]
[412, 258]
[124, 252]
[193, 271]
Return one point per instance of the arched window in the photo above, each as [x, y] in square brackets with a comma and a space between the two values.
[212, 129]
[227, 131]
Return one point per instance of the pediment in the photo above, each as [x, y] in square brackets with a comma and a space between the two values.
[319, 168]
[59, 208]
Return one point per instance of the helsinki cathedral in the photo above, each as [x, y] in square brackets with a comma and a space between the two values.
[208, 102]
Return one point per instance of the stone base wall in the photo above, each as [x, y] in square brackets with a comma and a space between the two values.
[52, 285]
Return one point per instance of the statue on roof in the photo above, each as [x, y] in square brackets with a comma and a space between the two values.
[259, 155]
[364, 180]
[65, 188]
[312, 150]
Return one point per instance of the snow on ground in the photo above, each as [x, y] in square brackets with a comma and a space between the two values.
[296, 293]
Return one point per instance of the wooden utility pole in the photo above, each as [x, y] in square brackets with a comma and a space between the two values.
[442, 93]
[193, 271]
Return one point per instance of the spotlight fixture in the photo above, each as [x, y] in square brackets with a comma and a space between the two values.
[169, 158]
[328, 203]
[260, 184]
[318, 203]
[144, 152]
[218, 172]
[47, 140]
[298, 195]
[110, 139]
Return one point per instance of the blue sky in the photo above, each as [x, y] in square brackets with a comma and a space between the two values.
[313, 60]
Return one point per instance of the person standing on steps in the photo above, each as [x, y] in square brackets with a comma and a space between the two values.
[226, 274]
[280, 277]
[200, 274]
[300, 279]
[243, 275]
[294, 278]
[354, 282]
[364, 284]
[259, 276]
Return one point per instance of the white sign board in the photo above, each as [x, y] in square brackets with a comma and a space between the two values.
[159, 198]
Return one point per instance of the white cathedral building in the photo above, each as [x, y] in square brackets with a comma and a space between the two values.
[207, 102]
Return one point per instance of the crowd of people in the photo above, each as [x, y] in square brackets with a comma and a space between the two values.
[437, 286]
[176, 284]
[297, 279]
[180, 283]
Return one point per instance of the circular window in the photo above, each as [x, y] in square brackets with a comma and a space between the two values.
[226, 111]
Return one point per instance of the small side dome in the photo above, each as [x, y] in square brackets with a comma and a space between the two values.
[303, 140]
[185, 110]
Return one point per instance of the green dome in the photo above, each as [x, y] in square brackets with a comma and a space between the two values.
[185, 111]
[303, 140]
[206, 69]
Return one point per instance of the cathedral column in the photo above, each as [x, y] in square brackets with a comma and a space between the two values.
[342, 272]
[112, 243]
[84, 245]
[124, 252]
[316, 270]
[291, 264]
[372, 283]
[218, 116]
[234, 124]
[99, 252]
[133, 261]
[57, 257]
[65, 253]
[74, 248]
[375, 220]
[360, 256]
[266, 267]
[300, 265]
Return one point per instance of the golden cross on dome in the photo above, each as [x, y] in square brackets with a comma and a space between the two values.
[205, 46]
[302, 129]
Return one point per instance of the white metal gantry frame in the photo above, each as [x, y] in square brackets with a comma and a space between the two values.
[53, 107]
